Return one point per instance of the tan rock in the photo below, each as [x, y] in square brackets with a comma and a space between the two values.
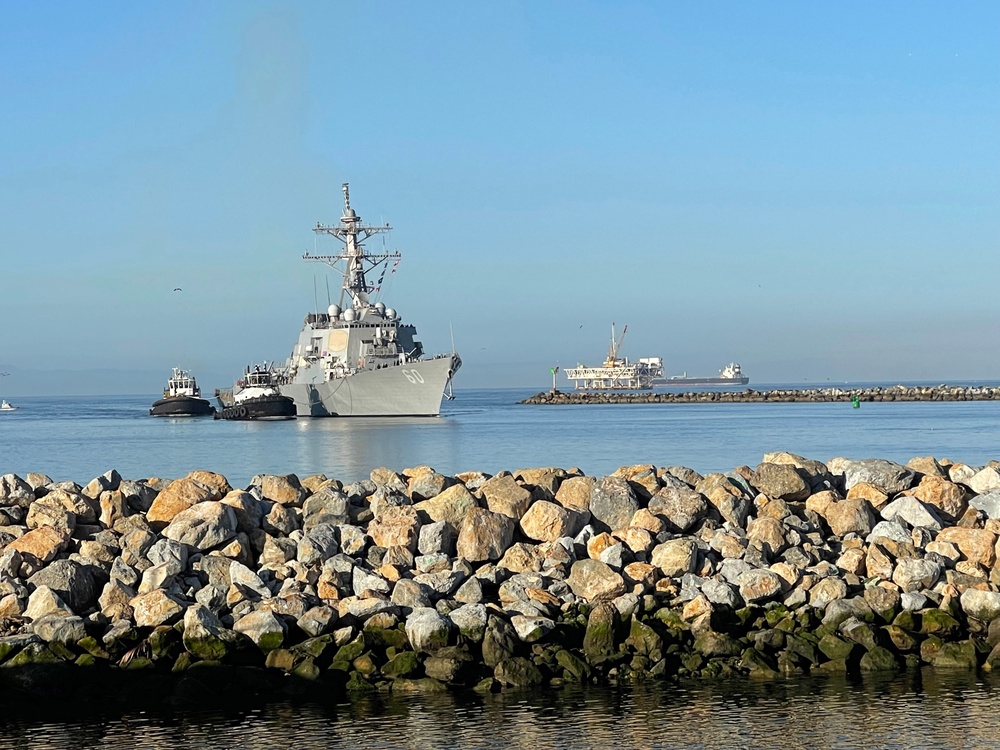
[642, 573]
[427, 485]
[113, 507]
[675, 557]
[865, 491]
[396, 526]
[985, 480]
[878, 564]
[450, 506]
[771, 507]
[845, 516]
[84, 508]
[642, 477]
[545, 521]
[43, 543]
[947, 497]
[730, 546]
[284, 489]
[768, 532]
[574, 494]
[789, 574]
[215, 482]
[928, 466]
[484, 535]
[595, 581]
[179, 495]
[695, 608]
[681, 507]
[545, 479]
[643, 519]
[54, 516]
[155, 608]
[977, 545]
[637, 540]
[960, 473]
[852, 561]
[598, 543]
[504, 495]
[780, 481]
[522, 558]
[759, 585]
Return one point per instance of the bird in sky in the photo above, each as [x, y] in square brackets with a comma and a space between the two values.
[178, 289]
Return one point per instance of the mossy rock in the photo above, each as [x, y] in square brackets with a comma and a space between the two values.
[790, 664]
[347, 654]
[92, 646]
[692, 662]
[599, 640]
[908, 620]
[422, 685]
[644, 640]
[358, 684]
[518, 672]
[281, 658]
[183, 662]
[307, 670]
[787, 625]
[834, 666]
[802, 648]
[85, 660]
[364, 665]
[930, 648]
[718, 644]
[575, 667]
[776, 614]
[902, 640]
[940, 623]
[879, 659]
[382, 638]
[956, 655]
[747, 615]
[402, 664]
[672, 619]
[758, 664]
[62, 651]
[138, 663]
[163, 642]
[313, 647]
[834, 648]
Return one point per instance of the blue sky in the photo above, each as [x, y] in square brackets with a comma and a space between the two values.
[810, 189]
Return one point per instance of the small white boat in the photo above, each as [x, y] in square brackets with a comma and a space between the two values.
[4, 406]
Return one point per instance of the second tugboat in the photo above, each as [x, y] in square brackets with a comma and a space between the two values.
[255, 396]
[181, 398]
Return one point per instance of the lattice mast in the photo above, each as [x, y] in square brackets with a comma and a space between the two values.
[357, 262]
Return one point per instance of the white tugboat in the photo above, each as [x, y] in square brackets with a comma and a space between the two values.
[181, 398]
[617, 373]
[255, 396]
[358, 359]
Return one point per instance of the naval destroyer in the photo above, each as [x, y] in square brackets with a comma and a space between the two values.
[358, 359]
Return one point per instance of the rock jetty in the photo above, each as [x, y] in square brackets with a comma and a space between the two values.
[784, 395]
[416, 581]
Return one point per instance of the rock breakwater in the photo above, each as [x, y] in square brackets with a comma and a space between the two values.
[416, 581]
[783, 395]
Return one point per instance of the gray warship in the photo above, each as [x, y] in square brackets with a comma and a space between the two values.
[358, 359]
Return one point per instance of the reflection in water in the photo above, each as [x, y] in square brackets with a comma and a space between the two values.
[919, 709]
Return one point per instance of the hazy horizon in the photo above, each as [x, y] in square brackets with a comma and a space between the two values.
[812, 191]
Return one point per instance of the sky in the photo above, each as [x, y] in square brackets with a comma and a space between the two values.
[810, 189]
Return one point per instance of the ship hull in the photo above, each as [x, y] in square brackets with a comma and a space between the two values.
[414, 389]
[681, 382]
[181, 406]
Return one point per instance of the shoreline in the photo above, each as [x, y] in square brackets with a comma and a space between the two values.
[412, 581]
[782, 395]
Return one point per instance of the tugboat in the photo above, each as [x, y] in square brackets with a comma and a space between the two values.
[181, 398]
[7, 407]
[255, 396]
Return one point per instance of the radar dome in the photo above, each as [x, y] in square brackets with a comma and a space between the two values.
[390, 313]
[349, 314]
[333, 311]
[380, 306]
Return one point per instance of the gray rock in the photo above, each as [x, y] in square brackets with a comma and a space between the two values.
[427, 630]
[410, 594]
[780, 481]
[612, 503]
[204, 634]
[246, 583]
[262, 627]
[73, 582]
[352, 539]
[675, 557]
[988, 503]
[317, 620]
[328, 506]
[914, 574]
[531, 629]
[168, 551]
[913, 601]
[470, 620]
[318, 544]
[44, 601]
[58, 628]
[981, 605]
[913, 512]
[720, 592]
[886, 475]
[203, 525]
[888, 530]
[14, 491]
[434, 538]
[500, 641]
[363, 580]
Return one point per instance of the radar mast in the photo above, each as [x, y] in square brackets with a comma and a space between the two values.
[357, 261]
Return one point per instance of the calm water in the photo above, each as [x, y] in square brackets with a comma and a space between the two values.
[917, 710]
[79, 438]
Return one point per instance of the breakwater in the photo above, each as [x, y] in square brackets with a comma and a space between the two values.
[781, 395]
[415, 581]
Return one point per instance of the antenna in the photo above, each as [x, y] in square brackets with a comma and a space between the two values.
[452, 332]
[315, 298]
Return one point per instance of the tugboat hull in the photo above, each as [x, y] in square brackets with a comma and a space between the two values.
[263, 407]
[181, 406]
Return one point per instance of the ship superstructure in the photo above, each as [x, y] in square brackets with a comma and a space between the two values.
[358, 358]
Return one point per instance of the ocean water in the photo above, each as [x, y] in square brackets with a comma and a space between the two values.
[78, 438]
